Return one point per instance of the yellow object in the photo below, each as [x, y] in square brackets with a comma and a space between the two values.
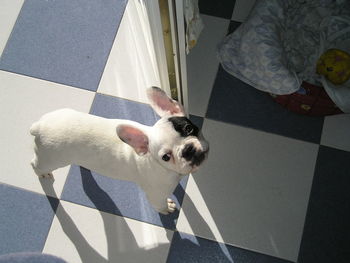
[334, 64]
[305, 107]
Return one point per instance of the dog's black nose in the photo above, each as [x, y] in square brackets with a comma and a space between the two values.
[196, 157]
[188, 152]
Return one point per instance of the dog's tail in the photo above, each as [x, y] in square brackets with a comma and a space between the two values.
[34, 129]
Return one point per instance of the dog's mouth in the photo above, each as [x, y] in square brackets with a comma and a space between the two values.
[194, 169]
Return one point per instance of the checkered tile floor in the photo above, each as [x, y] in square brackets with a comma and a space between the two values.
[274, 189]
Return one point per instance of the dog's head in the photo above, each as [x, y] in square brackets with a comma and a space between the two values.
[174, 141]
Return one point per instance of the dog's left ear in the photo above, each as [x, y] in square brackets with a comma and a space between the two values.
[133, 136]
[162, 104]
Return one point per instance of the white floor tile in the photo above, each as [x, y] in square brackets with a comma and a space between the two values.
[336, 131]
[24, 100]
[242, 10]
[9, 10]
[129, 69]
[81, 234]
[252, 192]
[202, 64]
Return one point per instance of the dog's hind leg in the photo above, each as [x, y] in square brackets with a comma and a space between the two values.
[41, 172]
[41, 162]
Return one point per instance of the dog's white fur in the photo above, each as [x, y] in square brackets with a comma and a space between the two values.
[117, 148]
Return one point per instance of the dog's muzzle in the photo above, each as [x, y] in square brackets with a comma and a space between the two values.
[193, 155]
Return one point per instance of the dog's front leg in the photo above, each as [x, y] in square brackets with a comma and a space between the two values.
[163, 205]
[171, 205]
[161, 201]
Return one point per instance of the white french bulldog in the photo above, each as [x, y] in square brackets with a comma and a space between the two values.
[155, 157]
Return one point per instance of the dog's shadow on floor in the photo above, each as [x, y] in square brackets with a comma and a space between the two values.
[121, 243]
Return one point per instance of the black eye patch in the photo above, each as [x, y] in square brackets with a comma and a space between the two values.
[184, 126]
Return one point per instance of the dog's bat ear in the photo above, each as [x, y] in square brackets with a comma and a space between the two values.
[162, 104]
[133, 136]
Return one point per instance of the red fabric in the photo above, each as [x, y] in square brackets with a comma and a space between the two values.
[315, 101]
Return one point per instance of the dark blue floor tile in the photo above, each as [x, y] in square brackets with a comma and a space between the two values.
[116, 196]
[326, 237]
[66, 41]
[188, 248]
[196, 120]
[236, 102]
[222, 8]
[25, 220]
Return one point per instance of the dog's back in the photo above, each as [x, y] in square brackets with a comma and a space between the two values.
[65, 137]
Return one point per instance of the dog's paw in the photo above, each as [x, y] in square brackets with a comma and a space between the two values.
[171, 205]
[47, 176]
[168, 208]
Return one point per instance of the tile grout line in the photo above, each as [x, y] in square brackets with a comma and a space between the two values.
[71, 87]
[45, 80]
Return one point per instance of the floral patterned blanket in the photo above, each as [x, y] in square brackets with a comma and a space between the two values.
[278, 46]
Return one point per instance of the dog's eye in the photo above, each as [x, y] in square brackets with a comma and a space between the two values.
[166, 157]
[188, 129]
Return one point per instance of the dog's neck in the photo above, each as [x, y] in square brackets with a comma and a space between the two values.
[147, 171]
